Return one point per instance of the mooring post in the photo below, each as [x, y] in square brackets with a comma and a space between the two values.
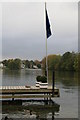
[50, 97]
[12, 97]
[45, 73]
[53, 82]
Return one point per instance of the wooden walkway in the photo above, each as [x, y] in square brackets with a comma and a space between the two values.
[27, 92]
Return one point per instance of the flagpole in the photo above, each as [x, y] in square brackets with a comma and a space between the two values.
[46, 45]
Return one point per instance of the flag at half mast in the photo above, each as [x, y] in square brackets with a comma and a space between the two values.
[48, 30]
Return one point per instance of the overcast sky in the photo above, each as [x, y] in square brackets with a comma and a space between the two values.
[23, 29]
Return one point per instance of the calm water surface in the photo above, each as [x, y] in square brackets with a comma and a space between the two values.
[66, 106]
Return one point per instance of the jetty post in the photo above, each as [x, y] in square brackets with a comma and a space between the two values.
[53, 82]
[45, 73]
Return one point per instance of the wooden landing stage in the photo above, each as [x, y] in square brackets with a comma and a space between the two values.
[7, 92]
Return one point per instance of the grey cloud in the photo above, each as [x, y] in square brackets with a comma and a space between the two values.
[24, 29]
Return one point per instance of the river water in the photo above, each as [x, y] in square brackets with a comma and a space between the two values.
[66, 106]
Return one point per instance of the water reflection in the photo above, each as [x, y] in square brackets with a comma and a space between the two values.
[30, 109]
[67, 79]
[20, 77]
[24, 77]
[11, 73]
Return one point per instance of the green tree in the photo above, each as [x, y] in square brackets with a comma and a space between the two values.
[76, 62]
[44, 63]
[67, 61]
[27, 64]
[5, 62]
[14, 64]
[17, 63]
[53, 62]
[79, 62]
[37, 63]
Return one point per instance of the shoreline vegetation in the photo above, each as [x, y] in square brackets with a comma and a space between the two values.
[69, 61]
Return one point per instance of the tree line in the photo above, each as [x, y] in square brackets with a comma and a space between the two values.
[69, 61]
[16, 64]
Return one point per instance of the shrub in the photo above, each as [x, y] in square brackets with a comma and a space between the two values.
[38, 78]
[42, 79]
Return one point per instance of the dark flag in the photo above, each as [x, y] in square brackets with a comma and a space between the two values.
[48, 30]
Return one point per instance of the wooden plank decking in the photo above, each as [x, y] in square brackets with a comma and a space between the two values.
[27, 92]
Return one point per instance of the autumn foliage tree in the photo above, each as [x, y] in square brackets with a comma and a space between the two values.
[53, 62]
[69, 61]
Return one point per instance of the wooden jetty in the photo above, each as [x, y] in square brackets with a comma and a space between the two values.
[7, 92]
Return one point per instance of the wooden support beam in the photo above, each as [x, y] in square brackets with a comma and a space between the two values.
[23, 92]
[25, 96]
